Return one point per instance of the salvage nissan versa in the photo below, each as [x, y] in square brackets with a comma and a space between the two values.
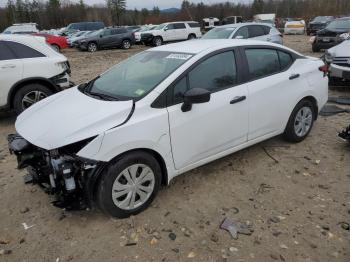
[113, 141]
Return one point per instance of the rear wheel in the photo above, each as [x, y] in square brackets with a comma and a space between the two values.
[56, 47]
[92, 47]
[129, 184]
[126, 44]
[191, 36]
[157, 41]
[300, 122]
[29, 95]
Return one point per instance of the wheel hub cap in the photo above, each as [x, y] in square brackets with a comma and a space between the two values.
[133, 187]
[31, 98]
[303, 121]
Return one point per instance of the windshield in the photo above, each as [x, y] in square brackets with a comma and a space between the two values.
[219, 33]
[321, 19]
[137, 76]
[339, 24]
[160, 27]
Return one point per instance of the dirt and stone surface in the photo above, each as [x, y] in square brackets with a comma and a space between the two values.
[297, 205]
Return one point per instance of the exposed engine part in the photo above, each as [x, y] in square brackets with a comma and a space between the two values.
[345, 134]
[58, 172]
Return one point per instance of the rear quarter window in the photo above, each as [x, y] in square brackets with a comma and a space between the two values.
[285, 60]
[23, 51]
[5, 52]
[194, 25]
[262, 62]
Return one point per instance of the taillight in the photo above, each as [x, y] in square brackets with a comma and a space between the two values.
[324, 69]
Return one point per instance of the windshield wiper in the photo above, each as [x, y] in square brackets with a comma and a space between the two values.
[102, 96]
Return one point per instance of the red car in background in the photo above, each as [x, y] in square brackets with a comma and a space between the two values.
[57, 42]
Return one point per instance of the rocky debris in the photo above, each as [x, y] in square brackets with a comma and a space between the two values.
[24, 210]
[325, 227]
[264, 188]
[273, 219]
[172, 236]
[5, 251]
[4, 241]
[214, 237]
[22, 240]
[235, 228]
[325, 187]
[186, 231]
[313, 245]
[153, 241]
[191, 254]
[176, 250]
[345, 225]
[233, 249]
[283, 246]
[274, 256]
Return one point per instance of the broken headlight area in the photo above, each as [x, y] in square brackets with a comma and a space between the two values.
[59, 172]
[345, 134]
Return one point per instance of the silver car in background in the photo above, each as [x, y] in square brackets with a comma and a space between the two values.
[338, 59]
[253, 31]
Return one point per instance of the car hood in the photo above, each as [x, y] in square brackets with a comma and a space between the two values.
[331, 32]
[68, 117]
[341, 50]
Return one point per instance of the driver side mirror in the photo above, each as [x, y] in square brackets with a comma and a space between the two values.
[195, 96]
[166, 29]
[101, 36]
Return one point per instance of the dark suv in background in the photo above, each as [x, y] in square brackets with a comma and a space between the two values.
[82, 26]
[318, 23]
[335, 33]
[108, 38]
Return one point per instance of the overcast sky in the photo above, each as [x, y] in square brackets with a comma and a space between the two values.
[131, 4]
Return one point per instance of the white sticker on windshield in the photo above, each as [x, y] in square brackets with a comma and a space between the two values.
[179, 56]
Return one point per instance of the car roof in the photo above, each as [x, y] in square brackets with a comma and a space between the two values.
[198, 46]
[241, 24]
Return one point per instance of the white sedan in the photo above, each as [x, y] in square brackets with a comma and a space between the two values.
[115, 140]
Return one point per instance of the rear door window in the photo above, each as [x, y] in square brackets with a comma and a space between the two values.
[5, 52]
[179, 26]
[255, 31]
[262, 62]
[23, 51]
[216, 73]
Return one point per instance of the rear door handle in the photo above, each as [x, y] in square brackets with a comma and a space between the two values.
[8, 66]
[237, 99]
[294, 76]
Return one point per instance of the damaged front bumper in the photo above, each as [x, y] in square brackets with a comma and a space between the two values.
[71, 179]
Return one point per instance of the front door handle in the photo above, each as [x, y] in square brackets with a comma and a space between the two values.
[294, 76]
[237, 99]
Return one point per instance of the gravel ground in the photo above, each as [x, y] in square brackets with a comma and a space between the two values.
[295, 204]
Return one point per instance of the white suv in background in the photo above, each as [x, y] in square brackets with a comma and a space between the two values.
[30, 70]
[169, 32]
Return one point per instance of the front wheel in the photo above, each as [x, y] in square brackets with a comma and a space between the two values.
[92, 47]
[300, 122]
[28, 95]
[129, 184]
[191, 36]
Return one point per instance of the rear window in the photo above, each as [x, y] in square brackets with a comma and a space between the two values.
[23, 51]
[5, 52]
[219, 33]
[255, 31]
[194, 24]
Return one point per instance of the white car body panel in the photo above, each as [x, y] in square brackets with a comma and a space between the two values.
[93, 117]
[15, 70]
[184, 140]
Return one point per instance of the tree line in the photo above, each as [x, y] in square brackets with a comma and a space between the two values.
[58, 13]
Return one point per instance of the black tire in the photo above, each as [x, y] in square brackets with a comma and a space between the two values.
[126, 44]
[290, 133]
[191, 36]
[29, 90]
[157, 41]
[111, 173]
[56, 48]
[92, 47]
[315, 49]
